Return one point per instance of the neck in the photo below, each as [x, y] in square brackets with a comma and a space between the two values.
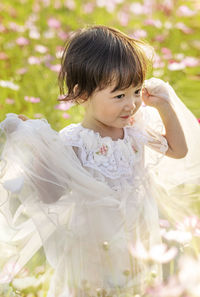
[103, 130]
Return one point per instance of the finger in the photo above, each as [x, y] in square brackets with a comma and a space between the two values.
[22, 117]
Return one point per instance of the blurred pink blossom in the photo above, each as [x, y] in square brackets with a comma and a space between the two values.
[137, 8]
[170, 289]
[123, 18]
[88, 7]
[190, 224]
[65, 115]
[55, 68]
[160, 37]
[38, 115]
[9, 271]
[10, 101]
[154, 23]
[174, 66]
[15, 27]
[3, 56]
[157, 62]
[190, 61]
[22, 41]
[2, 28]
[184, 10]
[167, 6]
[109, 5]
[32, 99]
[54, 23]
[49, 34]
[179, 236]
[183, 28]
[189, 275]
[21, 70]
[34, 60]
[64, 106]
[70, 4]
[167, 54]
[41, 48]
[62, 35]
[159, 253]
[34, 34]
[140, 34]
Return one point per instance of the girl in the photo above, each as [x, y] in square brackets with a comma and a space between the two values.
[92, 194]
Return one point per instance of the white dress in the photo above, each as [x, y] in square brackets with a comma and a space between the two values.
[89, 201]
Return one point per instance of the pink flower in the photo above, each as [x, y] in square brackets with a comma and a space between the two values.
[103, 150]
[2, 28]
[157, 62]
[53, 23]
[137, 8]
[176, 66]
[159, 253]
[62, 35]
[184, 10]
[34, 60]
[64, 106]
[167, 54]
[140, 33]
[154, 23]
[70, 4]
[3, 56]
[183, 28]
[55, 68]
[160, 37]
[38, 115]
[88, 7]
[123, 18]
[22, 41]
[32, 99]
[190, 224]
[65, 115]
[41, 48]
[21, 70]
[9, 271]
[9, 101]
[190, 61]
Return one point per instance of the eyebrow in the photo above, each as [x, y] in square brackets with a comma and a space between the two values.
[117, 91]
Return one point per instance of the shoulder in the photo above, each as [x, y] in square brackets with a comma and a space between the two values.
[70, 132]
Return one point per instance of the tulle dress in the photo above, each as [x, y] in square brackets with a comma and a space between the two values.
[90, 201]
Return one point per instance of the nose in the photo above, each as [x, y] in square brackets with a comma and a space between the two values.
[130, 104]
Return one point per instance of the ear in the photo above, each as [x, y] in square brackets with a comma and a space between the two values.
[81, 99]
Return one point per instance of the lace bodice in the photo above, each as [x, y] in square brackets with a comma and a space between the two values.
[119, 163]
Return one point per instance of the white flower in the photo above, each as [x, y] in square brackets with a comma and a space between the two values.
[9, 84]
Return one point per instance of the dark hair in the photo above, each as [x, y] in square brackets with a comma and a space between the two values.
[96, 56]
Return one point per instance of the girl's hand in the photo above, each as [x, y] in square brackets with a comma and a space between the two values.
[23, 117]
[152, 100]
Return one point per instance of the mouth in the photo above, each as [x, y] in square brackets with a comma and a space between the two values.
[125, 117]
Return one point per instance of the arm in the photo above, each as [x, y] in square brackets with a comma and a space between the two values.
[174, 133]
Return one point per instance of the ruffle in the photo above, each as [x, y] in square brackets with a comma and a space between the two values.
[113, 159]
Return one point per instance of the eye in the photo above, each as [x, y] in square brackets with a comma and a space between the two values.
[138, 92]
[120, 96]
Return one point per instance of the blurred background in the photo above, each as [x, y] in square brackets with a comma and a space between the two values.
[32, 37]
[33, 34]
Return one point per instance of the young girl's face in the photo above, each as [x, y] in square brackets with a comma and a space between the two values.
[113, 109]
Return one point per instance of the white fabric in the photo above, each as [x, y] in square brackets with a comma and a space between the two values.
[85, 214]
[117, 163]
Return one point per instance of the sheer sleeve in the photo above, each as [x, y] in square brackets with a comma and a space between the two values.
[156, 141]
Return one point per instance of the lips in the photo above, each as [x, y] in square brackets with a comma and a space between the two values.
[125, 117]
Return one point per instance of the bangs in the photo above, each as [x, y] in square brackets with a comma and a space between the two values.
[125, 66]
